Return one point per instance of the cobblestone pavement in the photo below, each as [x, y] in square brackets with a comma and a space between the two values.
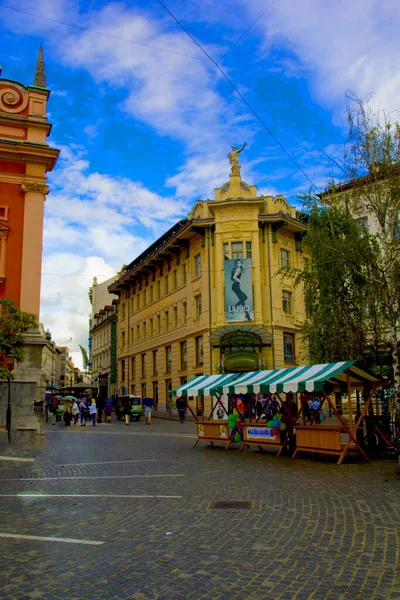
[314, 530]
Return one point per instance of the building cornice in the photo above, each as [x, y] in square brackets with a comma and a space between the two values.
[27, 152]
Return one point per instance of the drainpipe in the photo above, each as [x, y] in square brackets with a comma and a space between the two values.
[270, 295]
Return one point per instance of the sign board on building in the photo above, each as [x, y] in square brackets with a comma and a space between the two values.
[238, 290]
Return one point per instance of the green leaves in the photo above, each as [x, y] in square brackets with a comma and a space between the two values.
[13, 325]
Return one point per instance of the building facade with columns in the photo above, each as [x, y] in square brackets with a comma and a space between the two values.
[207, 297]
[25, 159]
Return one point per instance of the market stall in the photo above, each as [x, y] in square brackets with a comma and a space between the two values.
[321, 381]
[209, 430]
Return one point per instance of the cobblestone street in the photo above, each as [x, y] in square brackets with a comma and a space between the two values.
[312, 529]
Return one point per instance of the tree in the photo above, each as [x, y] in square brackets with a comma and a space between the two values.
[13, 325]
[361, 305]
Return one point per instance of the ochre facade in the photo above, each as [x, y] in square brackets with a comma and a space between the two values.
[174, 321]
[25, 158]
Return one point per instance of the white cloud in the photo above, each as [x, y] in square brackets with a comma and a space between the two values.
[342, 45]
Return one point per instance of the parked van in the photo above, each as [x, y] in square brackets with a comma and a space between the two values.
[136, 407]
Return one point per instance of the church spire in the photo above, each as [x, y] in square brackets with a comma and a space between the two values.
[40, 75]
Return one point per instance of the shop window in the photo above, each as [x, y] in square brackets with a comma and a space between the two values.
[197, 265]
[199, 350]
[287, 302]
[183, 356]
[168, 359]
[288, 347]
[197, 305]
[237, 250]
[285, 258]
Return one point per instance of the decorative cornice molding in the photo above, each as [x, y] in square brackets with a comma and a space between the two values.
[35, 186]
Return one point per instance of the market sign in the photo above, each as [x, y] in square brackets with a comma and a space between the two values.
[258, 433]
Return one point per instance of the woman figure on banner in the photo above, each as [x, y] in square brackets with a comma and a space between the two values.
[236, 275]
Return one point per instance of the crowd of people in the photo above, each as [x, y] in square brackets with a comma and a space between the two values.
[84, 410]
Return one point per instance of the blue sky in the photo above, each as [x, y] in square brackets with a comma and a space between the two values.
[144, 128]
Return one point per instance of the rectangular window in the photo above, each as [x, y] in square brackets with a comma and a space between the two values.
[158, 289]
[183, 380]
[144, 390]
[133, 304]
[155, 363]
[288, 347]
[175, 316]
[197, 265]
[137, 333]
[166, 285]
[237, 250]
[144, 297]
[123, 310]
[168, 391]
[166, 321]
[184, 312]
[143, 365]
[155, 392]
[4, 213]
[197, 306]
[199, 350]
[137, 302]
[144, 329]
[122, 339]
[133, 367]
[175, 279]
[151, 328]
[158, 324]
[168, 359]
[226, 251]
[151, 294]
[183, 356]
[248, 249]
[133, 390]
[287, 302]
[285, 258]
[184, 273]
[123, 370]
[131, 335]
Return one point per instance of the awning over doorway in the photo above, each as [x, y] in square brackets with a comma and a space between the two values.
[236, 335]
[311, 378]
[204, 385]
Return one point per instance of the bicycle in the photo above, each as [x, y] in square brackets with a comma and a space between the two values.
[378, 440]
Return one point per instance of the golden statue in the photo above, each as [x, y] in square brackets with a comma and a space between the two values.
[234, 159]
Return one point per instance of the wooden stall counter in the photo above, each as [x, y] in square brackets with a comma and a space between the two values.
[321, 440]
[260, 435]
[213, 431]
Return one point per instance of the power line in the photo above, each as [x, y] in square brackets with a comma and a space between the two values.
[247, 30]
[240, 95]
[109, 35]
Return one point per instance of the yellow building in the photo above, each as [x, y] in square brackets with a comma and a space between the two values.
[206, 297]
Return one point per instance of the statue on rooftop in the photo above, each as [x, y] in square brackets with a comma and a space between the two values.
[234, 159]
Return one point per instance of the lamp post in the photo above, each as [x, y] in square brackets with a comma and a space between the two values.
[10, 366]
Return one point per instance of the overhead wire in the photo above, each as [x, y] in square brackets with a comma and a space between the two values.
[240, 95]
[247, 30]
[109, 35]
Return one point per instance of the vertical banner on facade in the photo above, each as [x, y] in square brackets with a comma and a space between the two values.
[238, 290]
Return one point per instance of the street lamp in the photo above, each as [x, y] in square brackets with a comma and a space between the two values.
[10, 366]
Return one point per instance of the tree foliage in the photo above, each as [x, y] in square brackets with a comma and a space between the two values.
[13, 325]
[352, 286]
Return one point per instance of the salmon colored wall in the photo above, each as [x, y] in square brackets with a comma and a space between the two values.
[8, 167]
[12, 196]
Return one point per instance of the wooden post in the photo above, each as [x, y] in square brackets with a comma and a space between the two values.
[351, 422]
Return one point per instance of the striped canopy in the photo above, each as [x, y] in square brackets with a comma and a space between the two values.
[311, 378]
[204, 385]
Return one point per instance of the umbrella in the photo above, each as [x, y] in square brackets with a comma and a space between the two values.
[70, 398]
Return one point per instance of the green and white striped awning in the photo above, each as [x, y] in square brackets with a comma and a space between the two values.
[204, 385]
[311, 378]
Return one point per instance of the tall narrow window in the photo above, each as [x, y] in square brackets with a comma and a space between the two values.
[197, 265]
[133, 367]
[137, 333]
[184, 273]
[158, 324]
[226, 251]
[151, 294]
[166, 321]
[158, 289]
[151, 328]
[123, 370]
[175, 316]
[166, 285]
[287, 302]
[184, 356]
[197, 304]
[155, 392]
[131, 335]
[237, 250]
[168, 359]
[288, 347]
[199, 350]
[155, 362]
[175, 279]
[184, 312]
[248, 250]
[285, 258]
[143, 365]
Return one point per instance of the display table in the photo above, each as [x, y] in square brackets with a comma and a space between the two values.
[213, 431]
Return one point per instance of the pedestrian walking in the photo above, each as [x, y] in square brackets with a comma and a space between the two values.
[171, 408]
[181, 406]
[127, 410]
[82, 410]
[108, 410]
[93, 412]
[75, 411]
[148, 404]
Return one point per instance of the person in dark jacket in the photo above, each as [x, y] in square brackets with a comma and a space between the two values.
[181, 407]
[127, 410]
